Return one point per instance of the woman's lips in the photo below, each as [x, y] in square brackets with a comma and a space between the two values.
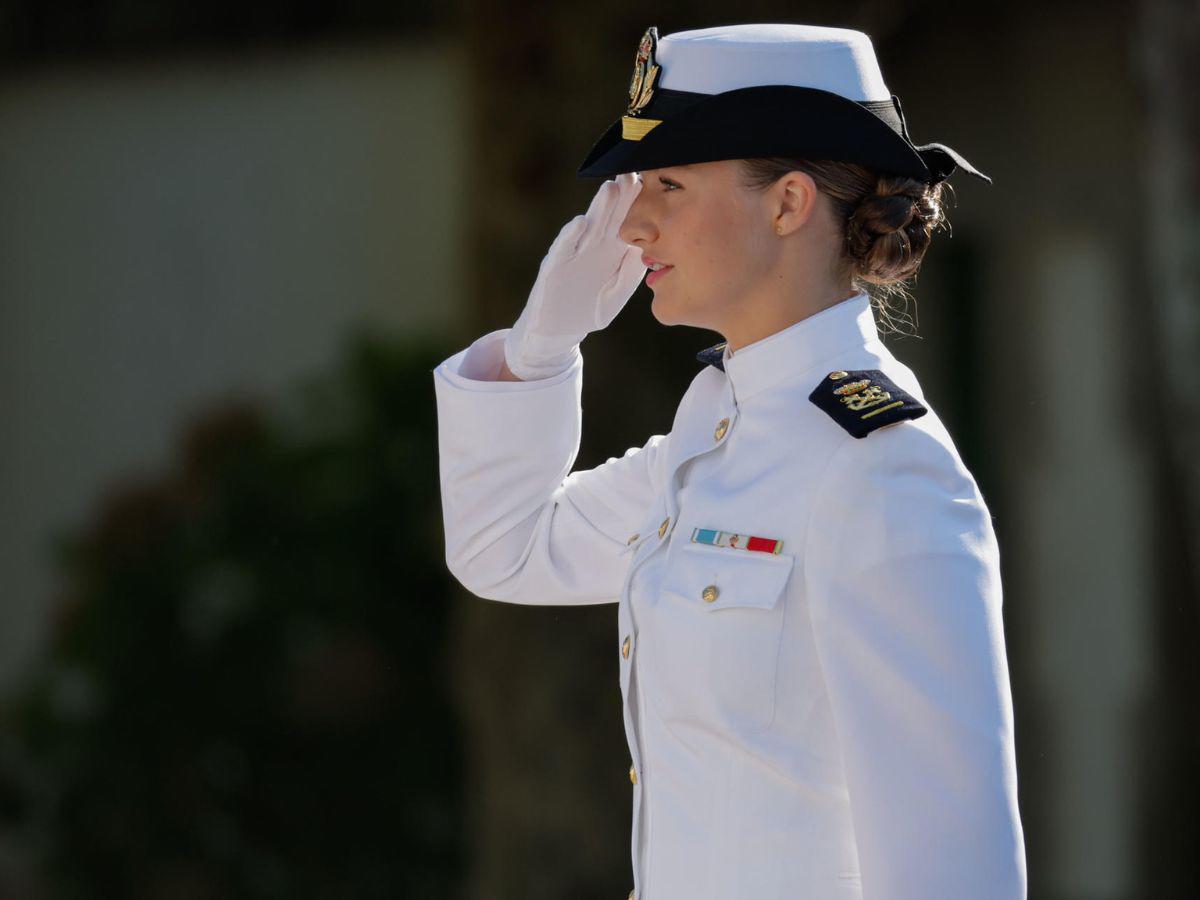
[655, 276]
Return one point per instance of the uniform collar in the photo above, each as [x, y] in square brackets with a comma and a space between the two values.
[796, 348]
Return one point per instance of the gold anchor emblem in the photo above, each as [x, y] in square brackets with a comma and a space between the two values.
[864, 395]
[641, 88]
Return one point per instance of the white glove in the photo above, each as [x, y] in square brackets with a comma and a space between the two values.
[585, 279]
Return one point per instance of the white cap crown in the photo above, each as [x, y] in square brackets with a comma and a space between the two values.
[725, 58]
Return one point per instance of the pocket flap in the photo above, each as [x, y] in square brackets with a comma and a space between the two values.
[720, 577]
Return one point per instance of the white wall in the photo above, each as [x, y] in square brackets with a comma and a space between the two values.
[174, 231]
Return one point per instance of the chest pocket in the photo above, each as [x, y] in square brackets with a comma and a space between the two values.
[716, 626]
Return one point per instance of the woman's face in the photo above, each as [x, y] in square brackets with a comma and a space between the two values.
[717, 237]
[730, 270]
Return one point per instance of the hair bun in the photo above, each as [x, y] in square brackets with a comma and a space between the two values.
[890, 229]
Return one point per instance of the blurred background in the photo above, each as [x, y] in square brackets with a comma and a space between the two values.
[235, 240]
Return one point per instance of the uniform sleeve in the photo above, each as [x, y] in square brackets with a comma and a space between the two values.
[520, 526]
[902, 572]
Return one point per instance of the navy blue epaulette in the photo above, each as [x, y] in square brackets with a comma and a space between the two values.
[862, 400]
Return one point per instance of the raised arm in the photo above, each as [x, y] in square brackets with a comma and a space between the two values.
[518, 527]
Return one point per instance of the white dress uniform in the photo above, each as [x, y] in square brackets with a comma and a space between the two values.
[812, 659]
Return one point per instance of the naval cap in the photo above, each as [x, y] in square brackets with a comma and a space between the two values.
[766, 89]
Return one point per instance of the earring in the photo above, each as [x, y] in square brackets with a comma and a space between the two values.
[778, 228]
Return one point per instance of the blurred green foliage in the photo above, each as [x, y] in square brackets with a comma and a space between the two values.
[243, 696]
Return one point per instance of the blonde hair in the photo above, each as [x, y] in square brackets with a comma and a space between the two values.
[888, 220]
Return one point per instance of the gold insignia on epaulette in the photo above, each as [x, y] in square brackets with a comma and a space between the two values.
[641, 88]
[861, 394]
[866, 398]
[852, 388]
[855, 404]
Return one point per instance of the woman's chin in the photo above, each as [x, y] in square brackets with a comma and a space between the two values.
[662, 310]
[666, 314]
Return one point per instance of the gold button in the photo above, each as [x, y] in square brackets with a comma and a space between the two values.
[633, 537]
[710, 593]
[632, 773]
[662, 529]
[625, 647]
[834, 376]
[722, 427]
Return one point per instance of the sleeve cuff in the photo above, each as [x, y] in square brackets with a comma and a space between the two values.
[474, 368]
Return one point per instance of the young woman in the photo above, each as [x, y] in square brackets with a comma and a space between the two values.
[812, 657]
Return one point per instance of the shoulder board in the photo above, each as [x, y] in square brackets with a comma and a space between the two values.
[863, 400]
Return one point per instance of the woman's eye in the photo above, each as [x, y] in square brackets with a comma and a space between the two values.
[668, 183]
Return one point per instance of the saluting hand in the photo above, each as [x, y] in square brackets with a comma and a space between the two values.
[585, 279]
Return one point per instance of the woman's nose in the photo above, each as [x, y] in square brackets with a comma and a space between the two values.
[636, 226]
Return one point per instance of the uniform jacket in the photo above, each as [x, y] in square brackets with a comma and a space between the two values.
[826, 718]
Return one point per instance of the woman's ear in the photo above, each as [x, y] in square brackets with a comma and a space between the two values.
[795, 200]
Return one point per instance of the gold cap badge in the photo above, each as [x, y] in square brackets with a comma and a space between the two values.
[641, 88]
